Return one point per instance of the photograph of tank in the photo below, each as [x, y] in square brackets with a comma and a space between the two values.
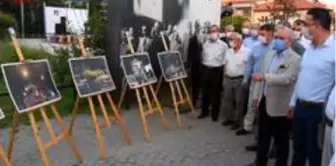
[138, 70]
[30, 84]
[171, 65]
[91, 76]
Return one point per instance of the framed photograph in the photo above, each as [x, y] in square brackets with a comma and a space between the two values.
[91, 75]
[172, 66]
[138, 70]
[30, 84]
[2, 115]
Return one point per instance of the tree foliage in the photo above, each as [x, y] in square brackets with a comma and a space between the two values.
[282, 9]
[235, 20]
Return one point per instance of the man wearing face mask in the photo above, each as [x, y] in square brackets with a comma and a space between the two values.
[252, 40]
[213, 61]
[274, 85]
[234, 93]
[300, 33]
[315, 81]
[266, 33]
[246, 29]
[225, 37]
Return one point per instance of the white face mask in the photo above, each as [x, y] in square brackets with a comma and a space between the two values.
[262, 39]
[246, 31]
[214, 36]
[221, 35]
[297, 34]
[231, 43]
[254, 32]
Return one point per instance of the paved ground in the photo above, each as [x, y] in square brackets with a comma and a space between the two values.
[199, 143]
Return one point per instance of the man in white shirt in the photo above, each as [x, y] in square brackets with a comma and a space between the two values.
[234, 93]
[212, 60]
[328, 149]
[299, 33]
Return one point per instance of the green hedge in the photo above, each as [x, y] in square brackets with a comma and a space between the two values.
[236, 21]
[6, 21]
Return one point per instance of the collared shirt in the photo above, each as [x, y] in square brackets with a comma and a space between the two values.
[272, 67]
[235, 61]
[330, 108]
[214, 53]
[317, 73]
[251, 42]
[256, 59]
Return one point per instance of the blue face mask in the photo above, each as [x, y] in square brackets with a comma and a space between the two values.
[279, 45]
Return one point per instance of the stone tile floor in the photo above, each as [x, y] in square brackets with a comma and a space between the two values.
[199, 143]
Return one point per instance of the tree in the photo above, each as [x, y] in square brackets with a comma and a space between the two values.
[282, 9]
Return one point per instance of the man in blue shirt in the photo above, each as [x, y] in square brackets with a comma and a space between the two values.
[252, 40]
[315, 81]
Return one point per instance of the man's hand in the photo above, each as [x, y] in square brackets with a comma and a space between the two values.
[257, 76]
[290, 113]
[255, 105]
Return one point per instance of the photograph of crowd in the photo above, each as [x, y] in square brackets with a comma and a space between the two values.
[138, 70]
[30, 84]
[91, 75]
[171, 65]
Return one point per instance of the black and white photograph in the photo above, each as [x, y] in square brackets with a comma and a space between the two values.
[138, 70]
[30, 84]
[91, 76]
[171, 65]
[2, 115]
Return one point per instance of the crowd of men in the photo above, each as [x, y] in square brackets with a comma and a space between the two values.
[280, 77]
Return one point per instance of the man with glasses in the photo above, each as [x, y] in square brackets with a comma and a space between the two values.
[315, 81]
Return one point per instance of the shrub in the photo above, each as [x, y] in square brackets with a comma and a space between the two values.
[236, 21]
[6, 21]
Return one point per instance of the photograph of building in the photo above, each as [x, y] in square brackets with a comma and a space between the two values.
[30, 84]
[91, 76]
[138, 70]
[172, 66]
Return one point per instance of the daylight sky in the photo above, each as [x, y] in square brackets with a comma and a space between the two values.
[329, 2]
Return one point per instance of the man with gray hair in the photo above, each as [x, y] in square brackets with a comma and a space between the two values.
[273, 89]
[234, 93]
[296, 45]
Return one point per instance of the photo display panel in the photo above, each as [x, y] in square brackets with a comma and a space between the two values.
[138, 70]
[172, 66]
[91, 76]
[30, 84]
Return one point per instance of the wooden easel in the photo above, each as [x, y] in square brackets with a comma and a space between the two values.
[4, 157]
[107, 119]
[54, 140]
[175, 88]
[149, 107]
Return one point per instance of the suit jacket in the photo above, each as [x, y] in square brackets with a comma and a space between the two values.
[280, 85]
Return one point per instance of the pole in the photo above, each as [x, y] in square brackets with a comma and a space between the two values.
[22, 20]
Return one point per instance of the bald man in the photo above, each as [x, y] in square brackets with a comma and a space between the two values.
[274, 87]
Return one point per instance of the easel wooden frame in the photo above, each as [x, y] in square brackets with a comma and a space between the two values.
[116, 118]
[175, 89]
[42, 147]
[152, 106]
[4, 156]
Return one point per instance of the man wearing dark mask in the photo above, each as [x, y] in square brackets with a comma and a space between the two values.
[213, 62]
[274, 85]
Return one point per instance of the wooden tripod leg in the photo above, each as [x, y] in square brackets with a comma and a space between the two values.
[177, 112]
[48, 125]
[123, 93]
[103, 109]
[38, 139]
[163, 118]
[12, 135]
[142, 116]
[120, 120]
[177, 84]
[97, 129]
[67, 136]
[158, 86]
[193, 111]
[74, 114]
[4, 157]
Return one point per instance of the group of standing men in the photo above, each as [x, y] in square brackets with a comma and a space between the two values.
[283, 76]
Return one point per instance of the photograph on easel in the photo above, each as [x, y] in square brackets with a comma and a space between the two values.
[91, 75]
[138, 70]
[2, 115]
[30, 84]
[171, 65]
